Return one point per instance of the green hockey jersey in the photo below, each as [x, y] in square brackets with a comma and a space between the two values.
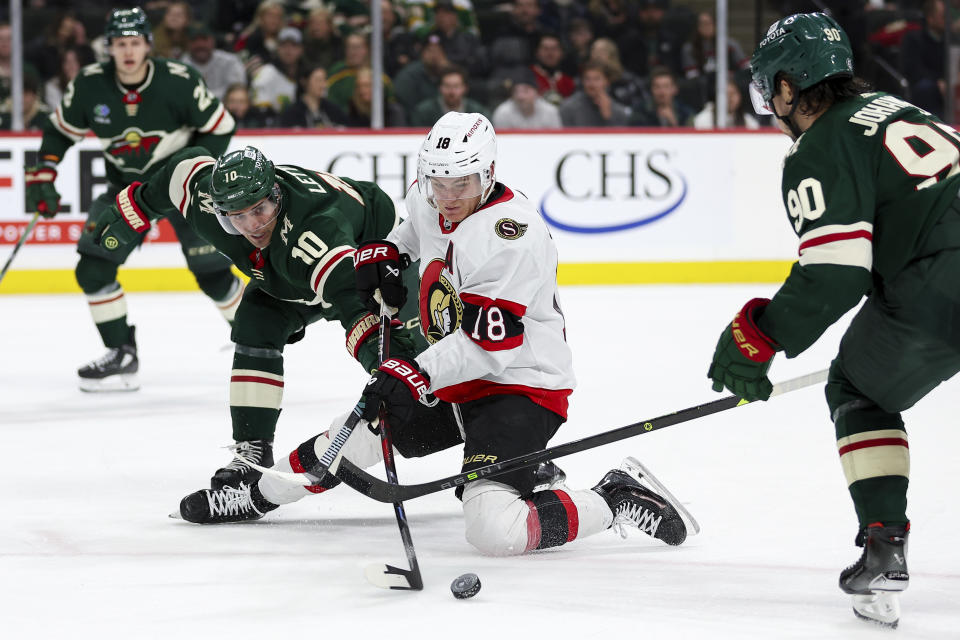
[138, 128]
[309, 260]
[863, 187]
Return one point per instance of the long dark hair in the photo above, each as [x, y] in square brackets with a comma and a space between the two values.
[826, 93]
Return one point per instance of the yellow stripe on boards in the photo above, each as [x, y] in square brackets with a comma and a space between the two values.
[580, 273]
[64, 281]
[586, 273]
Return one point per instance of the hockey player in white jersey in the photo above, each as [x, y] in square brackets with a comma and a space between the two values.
[490, 310]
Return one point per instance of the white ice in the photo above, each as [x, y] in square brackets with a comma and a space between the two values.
[86, 547]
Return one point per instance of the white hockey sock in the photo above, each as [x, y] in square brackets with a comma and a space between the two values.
[362, 449]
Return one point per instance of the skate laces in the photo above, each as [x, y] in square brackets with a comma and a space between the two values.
[231, 501]
[631, 513]
[105, 359]
[249, 450]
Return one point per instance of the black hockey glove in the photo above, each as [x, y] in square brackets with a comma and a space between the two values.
[399, 384]
[378, 266]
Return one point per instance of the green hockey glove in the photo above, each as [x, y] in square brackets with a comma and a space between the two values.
[41, 195]
[123, 223]
[743, 355]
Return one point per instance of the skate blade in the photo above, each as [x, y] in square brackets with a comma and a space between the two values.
[882, 608]
[110, 384]
[634, 467]
[175, 515]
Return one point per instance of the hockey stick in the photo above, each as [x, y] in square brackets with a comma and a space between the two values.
[389, 492]
[387, 576]
[20, 242]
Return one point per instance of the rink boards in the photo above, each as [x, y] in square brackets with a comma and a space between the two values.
[624, 206]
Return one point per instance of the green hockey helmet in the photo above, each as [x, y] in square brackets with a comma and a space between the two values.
[128, 22]
[240, 180]
[807, 47]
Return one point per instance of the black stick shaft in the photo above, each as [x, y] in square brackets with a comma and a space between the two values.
[383, 492]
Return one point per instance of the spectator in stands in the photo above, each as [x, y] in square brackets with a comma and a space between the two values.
[420, 13]
[737, 113]
[593, 106]
[699, 53]
[552, 82]
[322, 43]
[35, 112]
[343, 74]
[43, 53]
[625, 86]
[452, 96]
[170, 36]
[462, 47]
[513, 42]
[71, 60]
[610, 18]
[923, 59]
[400, 46]
[219, 69]
[359, 109]
[420, 80]
[525, 108]
[579, 37]
[312, 109]
[257, 43]
[274, 86]
[656, 43]
[6, 66]
[664, 110]
[238, 102]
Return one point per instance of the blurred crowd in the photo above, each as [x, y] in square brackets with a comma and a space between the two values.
[526, 64]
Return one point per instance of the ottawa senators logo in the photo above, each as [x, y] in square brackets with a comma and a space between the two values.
[509, 229]
[441, 309]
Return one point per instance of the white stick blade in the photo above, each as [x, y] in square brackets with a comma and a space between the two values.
[381, 576]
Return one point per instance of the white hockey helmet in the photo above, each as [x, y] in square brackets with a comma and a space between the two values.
[458, 145]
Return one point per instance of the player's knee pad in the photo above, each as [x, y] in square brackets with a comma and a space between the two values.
[95, 274]
[853, 412]
[216, 284]
[362, 447]
[495, 518]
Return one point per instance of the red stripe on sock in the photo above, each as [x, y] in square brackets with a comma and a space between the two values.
[573, 516]
[257, 379]
[533, 526]
[876, 442]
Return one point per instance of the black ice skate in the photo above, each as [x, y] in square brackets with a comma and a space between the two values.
[879, 574]
[226, 505]
[116, 370]
[257, 451]
[636, 505]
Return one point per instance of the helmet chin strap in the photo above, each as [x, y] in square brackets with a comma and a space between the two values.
[788, 119]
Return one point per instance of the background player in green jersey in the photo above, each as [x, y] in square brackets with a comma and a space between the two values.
[142, 110]
[870, 187]
[294, 231]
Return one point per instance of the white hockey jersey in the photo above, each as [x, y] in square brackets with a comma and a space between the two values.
[489, 305]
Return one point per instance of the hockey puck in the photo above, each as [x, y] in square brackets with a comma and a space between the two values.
[465, 586]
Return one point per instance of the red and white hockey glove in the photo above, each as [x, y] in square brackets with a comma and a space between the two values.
[743, 355]
[378, 266]
[124, 223]
[399, 384]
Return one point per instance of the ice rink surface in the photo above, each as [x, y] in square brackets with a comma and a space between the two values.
[87, 549]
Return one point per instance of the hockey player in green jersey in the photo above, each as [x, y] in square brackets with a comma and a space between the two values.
[142, 110]
[294, 231]
[870, 187]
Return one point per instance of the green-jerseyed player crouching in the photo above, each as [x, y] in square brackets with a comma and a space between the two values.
[870, 187]
[142, 109]
[295, 232]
